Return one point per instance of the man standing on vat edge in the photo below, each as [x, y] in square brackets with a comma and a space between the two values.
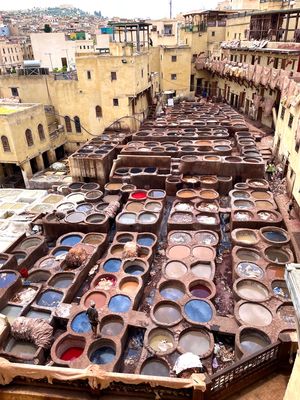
[93, 317]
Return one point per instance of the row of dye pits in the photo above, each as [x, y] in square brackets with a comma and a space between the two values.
[116, 289]
[143, 207]
[173, 294]
[259, 259]
[46, 287]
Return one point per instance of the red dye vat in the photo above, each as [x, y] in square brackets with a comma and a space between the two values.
[139, 195]
[71, 354]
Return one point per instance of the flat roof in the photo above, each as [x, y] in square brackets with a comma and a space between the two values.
[264, 50]
[225, 12]
[131, 24]
[12, 108]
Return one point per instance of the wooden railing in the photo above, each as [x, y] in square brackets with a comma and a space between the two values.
[245, 372]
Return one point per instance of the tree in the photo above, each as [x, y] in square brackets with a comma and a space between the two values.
[47, 28]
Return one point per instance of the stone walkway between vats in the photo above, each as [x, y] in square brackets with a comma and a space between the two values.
[292, 225]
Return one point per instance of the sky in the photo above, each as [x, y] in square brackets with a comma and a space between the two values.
[120, 8]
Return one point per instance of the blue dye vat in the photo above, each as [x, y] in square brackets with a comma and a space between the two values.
[145, 241]
[112, 265]
[103, 355]
[134, 270]
[50, 298]
[275, 236]
[198, 311]
[119, 303]
[60, 252]
[157, 194]
[6, 279]
[80, 323]
[172, 293]
[84, 207]
[71, 240]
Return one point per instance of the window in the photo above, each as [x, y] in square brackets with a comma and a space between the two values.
[98, 110]
[68, 124]
[88, 74]
[213, 33]
[29, 138]
[5, 144]
[77, 124]
[282, 112]
[275, 64]
[173, 77]
[235, 35]
[297, 145]
[3, 51]
[240, 36]
[116, 102]
[142, 73]
[174, 58]
[113, 76]
[14, 91]
[168, 29]
[291, 119]
[41, 132]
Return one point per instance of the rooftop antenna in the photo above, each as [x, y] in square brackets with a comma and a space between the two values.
[170, 9]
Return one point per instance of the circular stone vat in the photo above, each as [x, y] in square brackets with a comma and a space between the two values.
[286, 313]
[207, 219]
[249, 289]
[180, 238]
[198, 342]
[70, 348]
[154, 206]
[64, 207]
[157, 194]
[81, 324]
[274, 235]
[275, 271]
[70, 240]
[182, 218]
[266, 215]
[134, 206]
[117, 250]
[198, 311]
[172, 290]
[129, 286]
[254, 314]
[127, 218]
[175, 269]
[161, 341]
[39, 276]
[243, 204]
[20, 256]
[111, 325]
[280, 289]
[260, 195]
[147, 218]
[245, 254]
[102, 352]
[186, 194]
[134, 267]
[7, 279]
[203, 253]
[60, 251]
[240, 194]
[61, 280]
[145, 240]
[93, 238]
[166, 313]
[184, 207]
[96, 218]
[201, 289]
[243, 215]
[119, 303]
[203, 270]
[253, 340]
[30, 242]
[98, 297]
[112, 265]
[139, 194]
[85, 207]
[264, 204]
[75, 217]
[179, 252]
[50, 298]
[249, 270]
[245, 237]
[277, 255]
[155, 367]
[208, 194]
[124, 238]
[105, 282]
[207, 238]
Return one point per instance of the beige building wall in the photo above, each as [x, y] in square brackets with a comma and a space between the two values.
[165, 32]
[11, 55]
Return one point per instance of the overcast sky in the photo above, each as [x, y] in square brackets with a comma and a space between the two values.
[121, 8]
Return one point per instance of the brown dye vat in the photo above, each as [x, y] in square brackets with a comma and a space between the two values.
[279, 256]
[98, 297]
[167, 313]
[245, 236]
[179, 252]
[129, 286]
[93, 238]
[275, 271]
[249, 289]
[109, 198]
[287, 313]
[186, 194]
[255, 314]
[208, 194]
[117, 250]
[161, 341]
[264, 204]
[134, 206]
[248, 255]
[203, 253]
[113, 186]
[260, 195]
